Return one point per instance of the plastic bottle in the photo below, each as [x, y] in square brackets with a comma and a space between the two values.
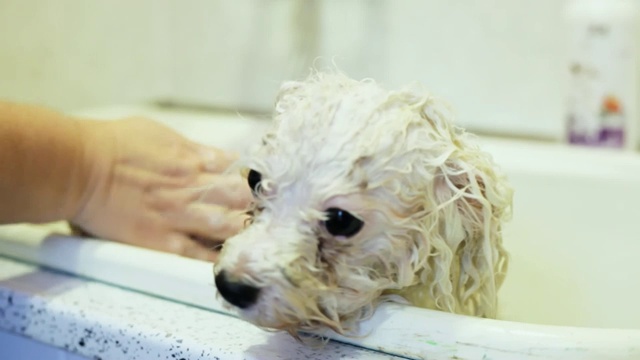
[604, 91]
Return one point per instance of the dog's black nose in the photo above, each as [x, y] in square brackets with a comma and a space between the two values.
[236, 293]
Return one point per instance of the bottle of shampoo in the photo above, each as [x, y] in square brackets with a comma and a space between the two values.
[604, 87]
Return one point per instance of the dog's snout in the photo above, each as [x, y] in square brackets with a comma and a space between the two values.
[235, 292]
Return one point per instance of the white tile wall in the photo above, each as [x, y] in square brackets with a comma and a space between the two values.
[499, 62]
[232, 53]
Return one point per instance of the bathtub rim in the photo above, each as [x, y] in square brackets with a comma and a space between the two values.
[192, 286]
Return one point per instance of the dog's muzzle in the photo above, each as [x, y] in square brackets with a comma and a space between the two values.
[235, 292]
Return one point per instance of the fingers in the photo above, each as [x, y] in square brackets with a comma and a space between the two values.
[231, 191]
[197, 159]
[179, 169]
[203, 224]
[216, 212]
[173, 241]
[215, 160]
[208, 221]
[181, 244]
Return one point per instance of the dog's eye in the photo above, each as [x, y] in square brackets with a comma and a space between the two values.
[254, 179]
[342, 223]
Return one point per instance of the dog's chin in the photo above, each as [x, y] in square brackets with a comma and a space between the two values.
[285, 318]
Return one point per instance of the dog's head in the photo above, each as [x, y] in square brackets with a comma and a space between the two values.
[363, 195]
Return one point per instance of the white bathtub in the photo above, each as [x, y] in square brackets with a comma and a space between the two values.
[572, 292]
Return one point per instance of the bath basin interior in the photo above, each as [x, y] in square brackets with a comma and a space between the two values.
[573, 243]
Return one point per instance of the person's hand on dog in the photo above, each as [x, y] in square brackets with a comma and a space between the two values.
[134, 180]
[153, 188]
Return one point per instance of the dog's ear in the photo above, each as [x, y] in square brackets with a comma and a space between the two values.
[457, 251]
[472, 202]
[464, 209]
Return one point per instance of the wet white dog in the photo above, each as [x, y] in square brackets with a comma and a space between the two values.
[362, 196]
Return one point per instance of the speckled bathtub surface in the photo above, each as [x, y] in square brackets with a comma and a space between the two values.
[104, 322]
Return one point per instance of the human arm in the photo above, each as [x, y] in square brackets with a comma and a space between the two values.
[44, 167]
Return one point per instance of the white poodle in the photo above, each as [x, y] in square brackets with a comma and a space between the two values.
[363, 196]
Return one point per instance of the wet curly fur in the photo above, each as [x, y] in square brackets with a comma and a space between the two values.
[431, 201]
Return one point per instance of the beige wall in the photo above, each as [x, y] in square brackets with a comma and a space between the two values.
[500, 62]
[78, 53]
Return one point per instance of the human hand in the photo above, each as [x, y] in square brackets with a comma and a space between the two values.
[153, 188]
